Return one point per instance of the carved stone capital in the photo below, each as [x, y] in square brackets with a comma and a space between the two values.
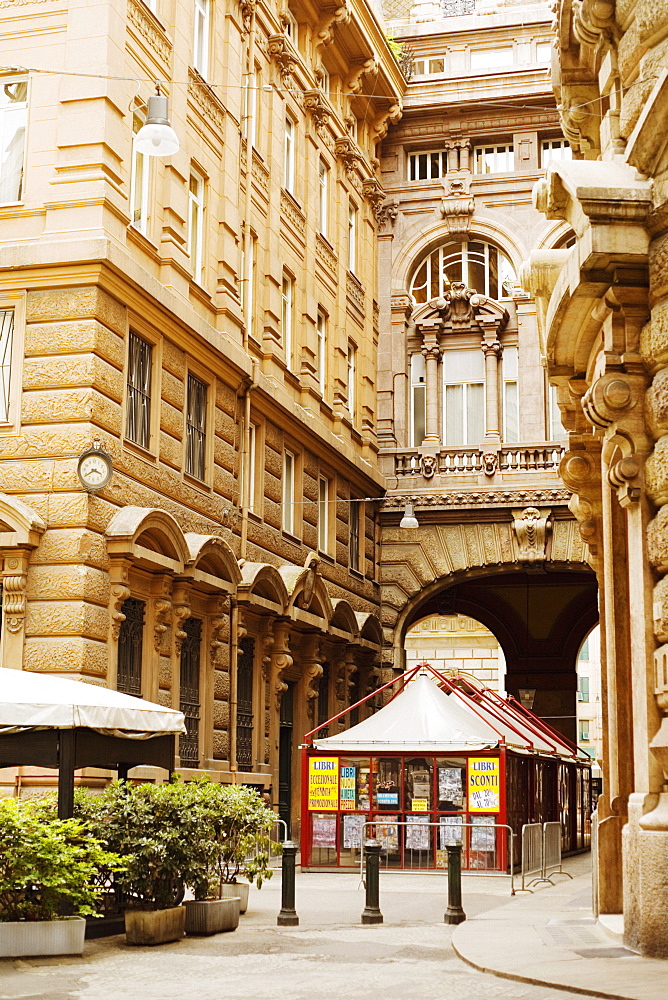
[387, 214]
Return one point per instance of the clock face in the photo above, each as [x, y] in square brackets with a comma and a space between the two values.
[94, 470]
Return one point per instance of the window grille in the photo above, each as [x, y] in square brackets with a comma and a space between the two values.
[130, 647]
[479, 265]
[455, 8]
[189, 698]
[196, 428]
[245, 704]
[139, 391]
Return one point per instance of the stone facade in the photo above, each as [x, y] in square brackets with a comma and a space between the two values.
[602, 309]
[468, 430]
[209, 320]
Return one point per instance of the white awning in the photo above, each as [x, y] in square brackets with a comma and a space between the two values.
[43, 701]
[421, 718]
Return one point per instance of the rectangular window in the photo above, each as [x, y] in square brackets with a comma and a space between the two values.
[418, 400]
[352, 379]
[583, 689]
[428, 67]
[493, 159]
[249, 125]
[189, 694]
[323, 514]
[139, 178]
[248, 268]
[554, 149]
[288, 519]
[492, 58]
[289, 156]
[252, 459]
[196, 428]
[354, 538]
[138, 423]
[510, 395]
[352, 237]
[556, 428]
[130, 647]
[464, 394]
[196, 224]
[290, 26]
[323, 196]
[6, 349]
[202, 33]
[152, 5]
[323, 79]
[583, 727]
[427, 166]
[287, 312]
[322, 351]
[543, 52]
[583, 655]
[13, 121]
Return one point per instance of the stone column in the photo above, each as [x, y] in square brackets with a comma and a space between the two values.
[492, 351]
[432, 353]
[281, 660]
[464, 152]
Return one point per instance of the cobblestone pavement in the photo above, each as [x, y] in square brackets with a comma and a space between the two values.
[330, 956]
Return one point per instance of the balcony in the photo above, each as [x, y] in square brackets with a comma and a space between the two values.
[516, 464]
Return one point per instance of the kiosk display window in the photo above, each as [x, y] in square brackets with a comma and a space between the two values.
[418, 785]
[387, 783]
[450, 784]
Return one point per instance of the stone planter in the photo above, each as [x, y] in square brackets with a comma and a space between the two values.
[211, 916]
[42, 937]
[155, 926]
[241, 889]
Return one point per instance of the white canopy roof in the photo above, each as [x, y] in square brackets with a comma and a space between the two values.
[42, 701]
[424, 718]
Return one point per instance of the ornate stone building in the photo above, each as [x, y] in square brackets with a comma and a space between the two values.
[209, 320]
[602, 311]
[469, 432]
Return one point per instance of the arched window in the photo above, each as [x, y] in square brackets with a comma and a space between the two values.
[479, 265]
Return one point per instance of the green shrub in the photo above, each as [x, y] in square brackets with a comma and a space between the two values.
[47, 865]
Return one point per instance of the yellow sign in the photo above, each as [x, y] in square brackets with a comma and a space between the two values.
[323, 783]
[484, 785]
[348, 788]
[419, 805]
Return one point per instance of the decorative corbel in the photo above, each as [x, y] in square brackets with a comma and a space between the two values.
[457, 208]
[386, 118]
[581, 473]
[369, 67]
[119, 594]
[280, 51]
[162, 616]
[375, 195]
[312, 672]
[14, 579]
[532, 526]
[334, 16]
[180, 611]
[247, 10]
[345, 149]
[387, 214]
[219, 625]
[317, 107]
[281, 660]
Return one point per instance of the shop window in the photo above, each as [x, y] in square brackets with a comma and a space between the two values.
[245, 671]
[451, 785]
[427, 166]
[130, 647]
[13, 122]
[196, 428]
[479, 265]
[189, 693]
[418, 785]
[138, 418]
[387, 784]
[482, 843]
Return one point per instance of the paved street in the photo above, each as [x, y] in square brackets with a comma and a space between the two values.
[330, 956]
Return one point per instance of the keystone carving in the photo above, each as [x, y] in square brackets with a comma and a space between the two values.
[532, 526]
[457, 208]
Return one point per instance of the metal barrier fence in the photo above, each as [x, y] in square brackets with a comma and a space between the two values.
[377, 830]
[541, 854]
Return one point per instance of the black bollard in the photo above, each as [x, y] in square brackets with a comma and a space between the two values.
[288, 915]
[454, 913]
[371, 913]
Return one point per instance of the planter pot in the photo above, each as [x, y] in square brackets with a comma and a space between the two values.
[241, 889]
[42, 937]
[211, 916]
[155, 926]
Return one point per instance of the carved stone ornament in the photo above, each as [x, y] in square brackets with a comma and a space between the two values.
[457, 208]
[317, 107]
[531, 527]
[280, 51]
[13, 599]
[335, 14]
[247, 10]
[218, 626]
[119, 593]
[312, 564]
[490, 463]
[375, 195]
[458, 303]
[387, 214]
[428, 466]
[180, 613]
[346, 150]
[369, 67]
[162, 609]
[387, 118]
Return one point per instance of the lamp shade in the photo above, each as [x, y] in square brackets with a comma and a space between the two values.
[409, 520]
[157, 137]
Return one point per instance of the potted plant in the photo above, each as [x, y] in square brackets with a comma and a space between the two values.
[152, 827]
[231, 841]
[47, 868]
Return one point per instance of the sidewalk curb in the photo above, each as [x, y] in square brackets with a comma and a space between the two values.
[529, 980]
